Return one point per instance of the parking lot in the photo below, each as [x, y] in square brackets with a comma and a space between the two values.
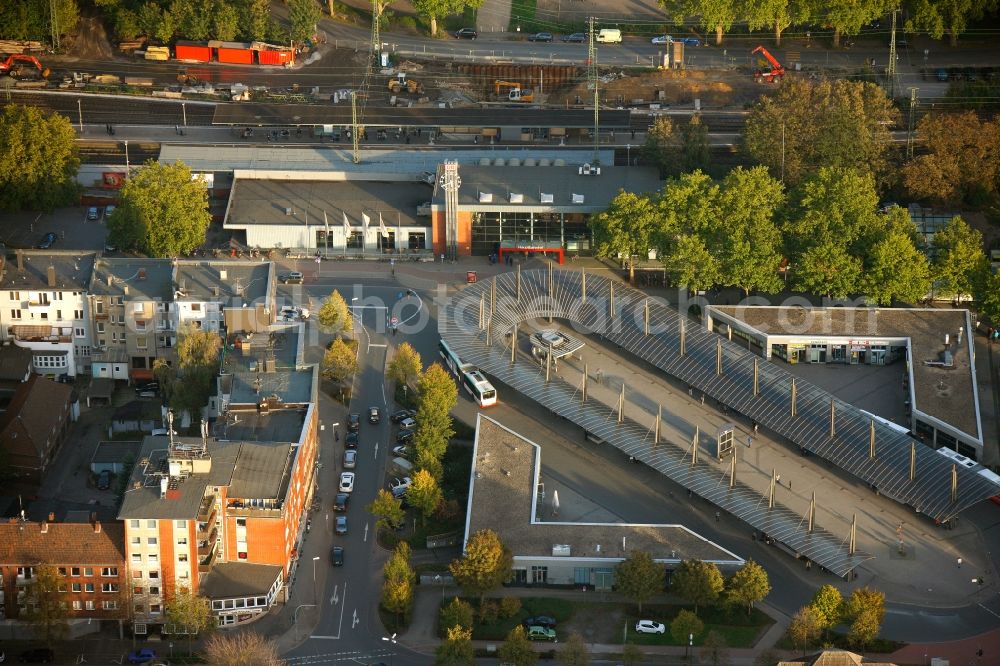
[70, 225]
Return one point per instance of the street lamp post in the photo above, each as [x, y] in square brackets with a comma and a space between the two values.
[126, 159]
[315, 593]
[391, 639]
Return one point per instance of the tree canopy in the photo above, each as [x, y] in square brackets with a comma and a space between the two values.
[806, 125]
[197, 365]
[697, 582]
[951, 17]
[828, 604]
[748, 585]
[334, 315]
[405, 365]
[866, 610]
[29, 19]
[574, 652]
[424, 494]
[960, 263]
[388, 510]
[684, 625]
[485, 566]
[805, 628]
[436, 397]
[340, 361]
[398, 582]
[38, 158]
[456, 648]
[517, 649]
[45, 610]
[163, 211]
[626, 228]
[243, 649]
[639, 577]
[432, 10]
[189, 613]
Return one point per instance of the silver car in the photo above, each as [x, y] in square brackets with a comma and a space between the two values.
[350, 459]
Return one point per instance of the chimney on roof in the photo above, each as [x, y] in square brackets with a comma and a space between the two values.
[20, 261]
[164, 484]
[125, 289]
[222, 274]
[183, 284]
[52, 517]
[93, 516]
[97, 527]
[269, 365]
[45, 527]
[51, 275]
[142, 273]
[111, 279]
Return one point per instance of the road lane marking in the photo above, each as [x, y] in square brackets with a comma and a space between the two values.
[366, 541]
[356, 620]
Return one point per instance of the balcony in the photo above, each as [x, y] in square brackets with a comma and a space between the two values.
[207, 546]
[206, 511]
[205, 563]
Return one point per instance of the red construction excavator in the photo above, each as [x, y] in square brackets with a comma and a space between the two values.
[10, 66]
[772, 75]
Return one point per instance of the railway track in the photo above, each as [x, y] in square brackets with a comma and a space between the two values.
[113, 152]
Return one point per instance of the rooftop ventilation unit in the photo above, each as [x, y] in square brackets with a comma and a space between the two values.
[578, 198]
[516, 198]
[485, 197]
[546, 198]
[560, 550]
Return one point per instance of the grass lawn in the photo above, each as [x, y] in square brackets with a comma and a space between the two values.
[737, 628]
[839, 640]
[560, 609]
[522, 13]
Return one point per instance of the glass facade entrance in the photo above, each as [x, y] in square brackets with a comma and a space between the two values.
[568, 229]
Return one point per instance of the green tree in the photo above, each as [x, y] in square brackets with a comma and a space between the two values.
[340, 361]
[690, 264]
[432, 10]
[458, 613]
[895, 268]
[697, 582]
[752, 253]
[962, 159]
[242, 649]
[486, 565]
[989, 302]
[197, 348]
[38, 159]
[639, 577]
[959, 261]
[828, 604]
[632, 656]
[694, 144]
[303, 15]
[660, 147]
[163, 212]
[189, 613]
[626, 228]
[938, 17]
[847, 18]
[405, 365]
[866, 609]
[44, 609]
[334, 315]
[388, 510]
[805, 125]
[713, 650]
[748, 585]
[684, 625]
[29, 19]
[827, 269]
[225, 21]
[517, 649]
[428, 460]
[254, 16]
[436, 397]
[689, 207]
[574, 652]
[166, 375]
[456, 649]
[805, 627]
[776, 15]
[717, 16]
[833, 204]
[424, 494]
[398, 581]
[767, 657]
[197, 365]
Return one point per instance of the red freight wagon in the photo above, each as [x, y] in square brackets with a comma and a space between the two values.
[193, 51]
[238, 53]
[269, 54]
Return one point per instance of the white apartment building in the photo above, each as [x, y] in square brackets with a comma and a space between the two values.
[44, 308]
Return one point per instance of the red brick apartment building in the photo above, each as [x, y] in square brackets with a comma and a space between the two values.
[90, 557]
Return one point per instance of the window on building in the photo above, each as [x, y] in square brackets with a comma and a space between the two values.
[99, 306]
[182, 541]
[136, 573]
[140, 608]
[62, 571]
[182, 557]
[118, 300]
[134, 524]
[79, 332]
[152, 541]
[59, 315]
[153, 557]
[109, 587]
[241, 522]
[154, 591]
[88, 571]
[100, 327]
[74, 571]
[88, 587]
[77, 605]
[196, 307]
[151, 524]
[62, 587]
[77, 587]
[77, 314]
[180, 524]
[137, 590]
[83, 351]
[141, 342]
[109, 571]
[136, 541]
[15, 314]
[89, 604]
[136, 558]
[15, 295]
[154, 574]
[154, 609]
[110, 605]
[140, 325]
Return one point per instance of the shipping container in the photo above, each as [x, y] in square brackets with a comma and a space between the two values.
[276, 57]
[193, 51]
[157, 53]
[234, 52]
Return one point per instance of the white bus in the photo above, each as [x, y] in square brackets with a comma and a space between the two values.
[472, 378]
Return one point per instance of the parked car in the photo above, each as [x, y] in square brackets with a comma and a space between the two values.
[404, 436]
[147, 387]
[541, 37]
[537, 633]
[404, 482]
[93, 213]
[374, 415]
[341, 523]
[350, 459]
[649, 627]
[291, 277]
[466, 33]
[108, 210]
[409, 423]
[576, 37]
[337, 556]
[104, 480]
[691, 41]
[662, 39]
[340, 502]
[48, 240]
[38, 656]
[351, 441]
[540, 621]
[292, 313]
[141, 656]
[346, 482]
[398, 416]
[402, 451]
[354, 422]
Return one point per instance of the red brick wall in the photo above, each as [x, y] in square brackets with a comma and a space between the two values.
[97, 596]
[439, 232]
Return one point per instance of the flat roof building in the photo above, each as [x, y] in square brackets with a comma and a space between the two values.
[502, 497]
[935, 344]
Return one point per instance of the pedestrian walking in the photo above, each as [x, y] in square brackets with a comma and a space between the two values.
[749, 441]
[716, 516]
[703, 398]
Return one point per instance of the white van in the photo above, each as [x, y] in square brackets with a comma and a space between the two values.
[403, 465]
[609, 36]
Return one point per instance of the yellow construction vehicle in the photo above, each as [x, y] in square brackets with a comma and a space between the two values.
[395, 86]
[501, 86]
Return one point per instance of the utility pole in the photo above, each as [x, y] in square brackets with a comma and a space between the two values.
[376, 44]
[911, 123]
[592, 84]
[890, 71]
[54, 24]
[355, 128]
